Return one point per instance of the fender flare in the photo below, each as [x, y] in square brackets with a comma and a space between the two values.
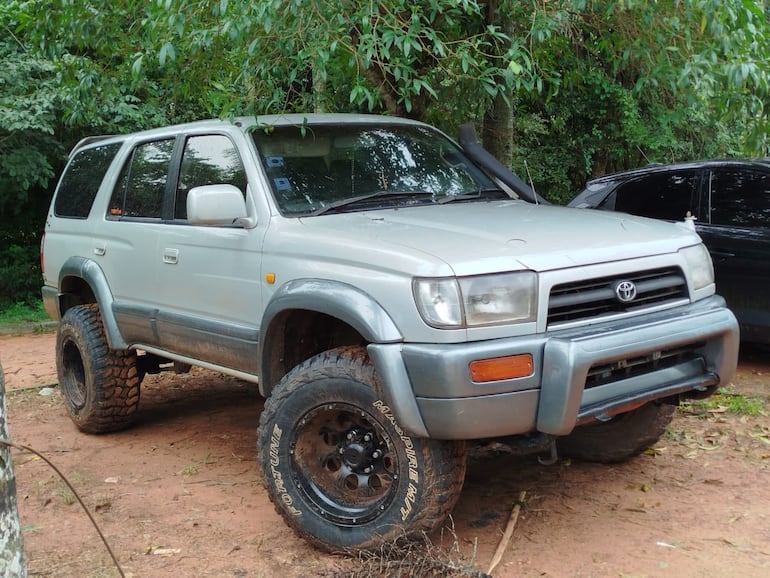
[362, 312]
[90, 272]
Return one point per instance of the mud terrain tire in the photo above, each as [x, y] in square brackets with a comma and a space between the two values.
[339, 468]
[100, 385]
[624, 436]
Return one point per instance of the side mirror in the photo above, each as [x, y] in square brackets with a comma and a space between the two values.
[217, 205]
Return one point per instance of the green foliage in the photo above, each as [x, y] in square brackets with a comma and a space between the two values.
[620, 93]
[28, 146]
[19, 313]
[20, 278]
[267, 56]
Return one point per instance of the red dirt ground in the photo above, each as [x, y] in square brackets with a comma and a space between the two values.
[179, 494]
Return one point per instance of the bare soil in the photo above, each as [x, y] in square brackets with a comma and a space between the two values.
[180, 494]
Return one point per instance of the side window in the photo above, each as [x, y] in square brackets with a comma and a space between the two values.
[142, 183]
[208, 160]
[740, 198]
[80, 182]
[661, 196]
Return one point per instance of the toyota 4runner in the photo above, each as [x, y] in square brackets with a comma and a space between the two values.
[394, 294]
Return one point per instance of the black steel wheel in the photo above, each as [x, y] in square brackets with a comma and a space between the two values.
[344, 463]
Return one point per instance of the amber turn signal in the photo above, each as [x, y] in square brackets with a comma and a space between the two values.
[498, 368]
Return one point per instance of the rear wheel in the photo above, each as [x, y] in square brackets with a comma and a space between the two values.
[338, 466]
[624, 436]
[100, 385]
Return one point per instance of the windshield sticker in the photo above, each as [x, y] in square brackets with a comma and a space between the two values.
[282, 184]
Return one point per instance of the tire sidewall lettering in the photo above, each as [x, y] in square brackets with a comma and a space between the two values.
[410, 453]
[276, 435]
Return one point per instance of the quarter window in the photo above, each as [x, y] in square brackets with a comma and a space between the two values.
[667, 195]
[82, 179]
[740, 198]
[208, 160]
[142, 183]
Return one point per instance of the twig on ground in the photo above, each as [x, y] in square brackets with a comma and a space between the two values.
[507, 534]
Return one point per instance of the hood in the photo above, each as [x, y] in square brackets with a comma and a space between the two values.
[476, 238]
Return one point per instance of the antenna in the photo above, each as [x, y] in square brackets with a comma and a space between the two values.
[531, 184]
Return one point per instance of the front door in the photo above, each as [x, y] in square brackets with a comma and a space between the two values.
[209, 276]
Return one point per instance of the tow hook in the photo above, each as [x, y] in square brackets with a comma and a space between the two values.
[552, 458]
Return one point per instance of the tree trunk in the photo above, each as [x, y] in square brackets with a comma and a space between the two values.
[12, 563]
[497, 132]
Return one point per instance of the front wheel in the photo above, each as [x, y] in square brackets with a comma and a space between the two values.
[338, 466]
[624, 436]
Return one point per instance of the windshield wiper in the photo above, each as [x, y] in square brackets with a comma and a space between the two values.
[348, 203]
[488, 193]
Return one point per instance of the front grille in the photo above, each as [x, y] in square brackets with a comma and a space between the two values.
[595, 298]
[605, 373]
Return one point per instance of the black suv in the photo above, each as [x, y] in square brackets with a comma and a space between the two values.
[730, 200]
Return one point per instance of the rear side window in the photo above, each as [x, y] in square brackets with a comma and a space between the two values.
[208, 160]
[740, 198]
[81, 180]
[142, 184]
[667, 195]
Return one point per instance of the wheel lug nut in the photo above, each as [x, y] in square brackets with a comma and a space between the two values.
[341, 451]
[367, 438]
[367, 470]
[350, 435]
[376, 454]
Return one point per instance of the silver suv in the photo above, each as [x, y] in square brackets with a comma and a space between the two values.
[394, 294]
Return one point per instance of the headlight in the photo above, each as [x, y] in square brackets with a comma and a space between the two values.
[477, 301]
[699, 266]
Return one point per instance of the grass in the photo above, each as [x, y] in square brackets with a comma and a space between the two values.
[725, 400]
[20, 313]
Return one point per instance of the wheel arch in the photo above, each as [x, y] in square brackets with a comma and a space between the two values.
[308, 316]
[82, 281]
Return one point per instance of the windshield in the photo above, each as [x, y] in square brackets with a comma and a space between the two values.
[350, 167]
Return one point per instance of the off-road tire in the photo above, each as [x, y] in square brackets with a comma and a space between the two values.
[624, 436]
[339, 468]
[100, 385]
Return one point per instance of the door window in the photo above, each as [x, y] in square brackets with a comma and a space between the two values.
[740, 198]
[142, 183]
[668, 195]
[208, 160]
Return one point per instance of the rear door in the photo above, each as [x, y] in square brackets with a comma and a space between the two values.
[126, 239]
[737, 233]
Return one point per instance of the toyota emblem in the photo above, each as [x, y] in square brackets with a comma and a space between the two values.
[625, 291]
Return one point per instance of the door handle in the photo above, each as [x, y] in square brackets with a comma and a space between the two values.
[170, 256]
[100, 249]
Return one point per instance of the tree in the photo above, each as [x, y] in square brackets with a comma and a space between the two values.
[12, 559]
[601, 84]
[28, 123]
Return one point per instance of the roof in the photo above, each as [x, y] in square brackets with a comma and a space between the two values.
[661, 168]
[293, 119]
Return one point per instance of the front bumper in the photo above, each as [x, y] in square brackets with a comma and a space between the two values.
[703, 337]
